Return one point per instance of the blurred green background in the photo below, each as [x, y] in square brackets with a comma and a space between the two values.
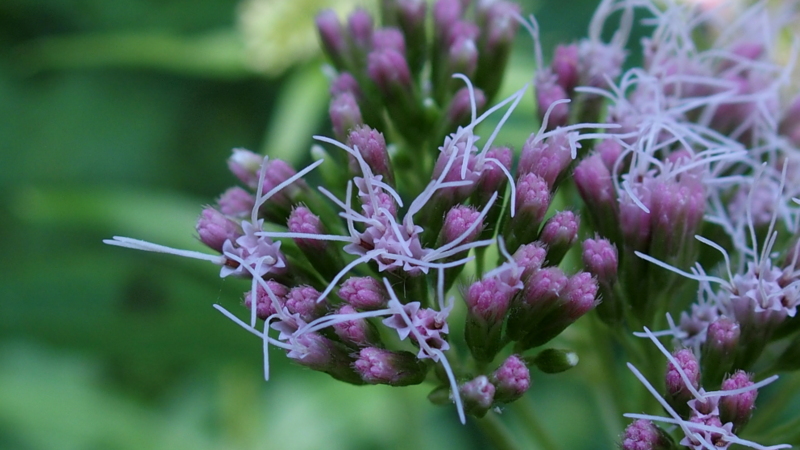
[116, 118]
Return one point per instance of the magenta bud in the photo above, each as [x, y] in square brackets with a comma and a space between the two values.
[676, 212]
[365, 293]
[737, 408]
[720, 348]
[214, 229]
[610, 151]
[302, 220]
[488, 300]
[645, 435]
[547, 93]
[580, 295]
[236, 202]
[389, 39]
[598, 62]
[320, 353]
[498, 23]
[332, 36]
[380, 366]
[389, 71]
[357, 331]
[345, 114]
[477, 395]
[532, 201]
[360, 26]
[559, 233]
[634, 222]
[372, 147]
[565, 66]
[304, 301]
[677, 392]
[275, 172]
[445, 14]
[265, 304]
[511, 380]
[460, 110]
[538, 298]
[245, 165]
[462, 57]
[458, 221]
[600, 258]
[530, 257]
[548, 158]
[345, 82]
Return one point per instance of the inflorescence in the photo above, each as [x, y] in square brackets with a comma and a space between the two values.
[692, 156]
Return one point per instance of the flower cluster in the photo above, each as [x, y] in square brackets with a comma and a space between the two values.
[358, 278]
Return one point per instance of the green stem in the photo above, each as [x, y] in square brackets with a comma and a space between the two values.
[533, 425]
[497, 432]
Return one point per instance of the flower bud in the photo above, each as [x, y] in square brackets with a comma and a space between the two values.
[477, 395]
[547, 93]
[410, 17]
[379, 366]
[554, 360]
[578, 297]
[677, 393]
[548, 159]
[719, 349]
[511, 380]
[644, 435]
[458, 221]
[487, 303]
[320, 353]
[236, 202]
[737, 408]
[462, 57]
[265, 305]
[372, 147]
[538, 297]
[596, 187]
[610, 151]
[357, 331]
[360, 29]
[345, 114]
[498, 24]
[389, 38]
[530, 257]
[332, 37]
[365, 293]
[245, 165]
[532, 201]
[214, 229]
[304, 301]
[388, 69]
[558, 234]
[676, 211]
[345, 82]
[565, 66]
[460, 110]
[600, 258]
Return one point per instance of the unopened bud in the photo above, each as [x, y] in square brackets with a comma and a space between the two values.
[372, 147]
[365, 293]
[737, 408]
[511, 380]
[565, 66]
[357, 331]
[532, 201]
[267, 303]
[487, 303]
[677, 392]
[379, 366]
[345, 114]
[538, 297]
[477, 395]
[332, 37]
[548, 159]
[645, 435]
[236, 202]
[558, 234]
[719, 349]
[245, 165]
[214, 229]
[305, 301]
